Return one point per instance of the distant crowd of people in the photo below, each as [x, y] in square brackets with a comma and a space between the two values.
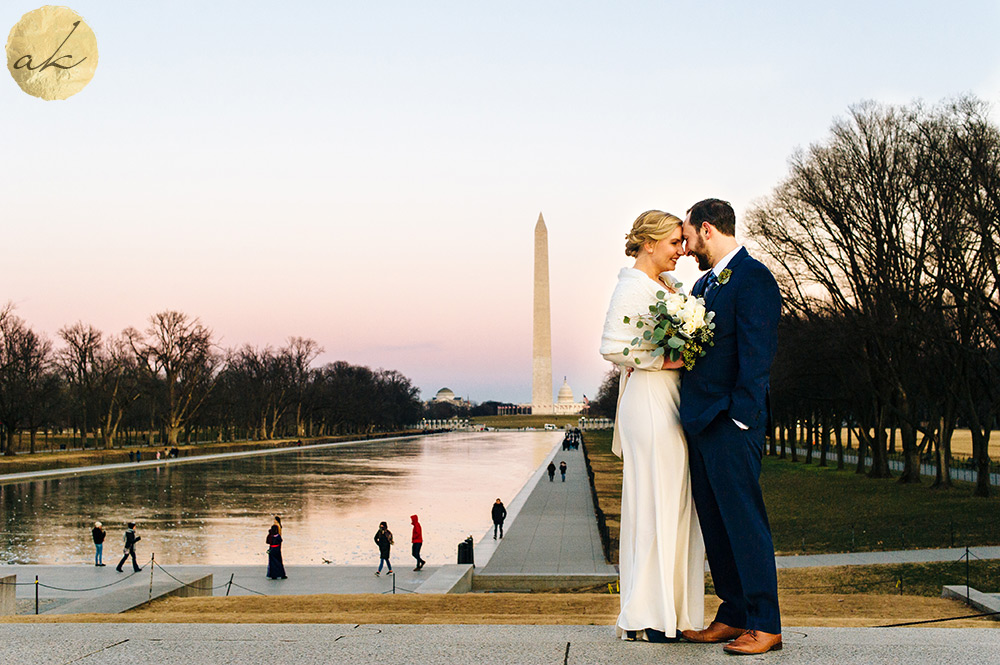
[168, 453]
[572, 439]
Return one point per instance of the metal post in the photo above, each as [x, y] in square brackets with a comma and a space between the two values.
[230, 585]
[36, 594]
[393, 584]
[152, 564]
[967, 575]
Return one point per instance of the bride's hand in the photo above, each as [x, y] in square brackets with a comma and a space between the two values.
[673, 364]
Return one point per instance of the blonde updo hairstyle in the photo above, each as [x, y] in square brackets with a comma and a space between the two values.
[650, 226]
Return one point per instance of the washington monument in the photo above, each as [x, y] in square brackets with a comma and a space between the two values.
[541, 348]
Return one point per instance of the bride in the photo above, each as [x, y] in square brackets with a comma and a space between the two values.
[661, 552]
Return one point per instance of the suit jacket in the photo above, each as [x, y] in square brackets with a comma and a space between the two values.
[733, 377]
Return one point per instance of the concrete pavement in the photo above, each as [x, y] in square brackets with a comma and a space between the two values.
[307, 644]
[554, 541]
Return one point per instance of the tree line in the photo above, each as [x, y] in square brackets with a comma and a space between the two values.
[171, 380]
[885, 241]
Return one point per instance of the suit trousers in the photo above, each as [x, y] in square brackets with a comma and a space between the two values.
[725, 482]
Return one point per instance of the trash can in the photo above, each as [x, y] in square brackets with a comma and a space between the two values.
[465, 552]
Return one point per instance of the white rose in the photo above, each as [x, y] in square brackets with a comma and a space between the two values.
[674, 304]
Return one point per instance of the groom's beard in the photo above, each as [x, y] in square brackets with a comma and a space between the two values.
[703, 262]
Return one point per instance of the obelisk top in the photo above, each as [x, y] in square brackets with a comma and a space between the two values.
[541, 223]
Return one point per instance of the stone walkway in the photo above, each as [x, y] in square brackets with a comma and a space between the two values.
[553, 542]
[309, 644]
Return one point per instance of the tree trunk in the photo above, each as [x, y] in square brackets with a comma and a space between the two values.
[810, 432]
[838, 433]
[783, 432]
[862, 452]
[823, 427]
[795, 442]
[880, 457]
[981, 452]
[31, 438]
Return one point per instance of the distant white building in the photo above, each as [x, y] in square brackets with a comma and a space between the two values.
[447, 396]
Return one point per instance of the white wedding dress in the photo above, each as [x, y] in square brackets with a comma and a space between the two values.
[661, 551]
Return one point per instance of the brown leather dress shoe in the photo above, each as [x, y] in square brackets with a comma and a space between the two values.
[753, 642]
[716, 632]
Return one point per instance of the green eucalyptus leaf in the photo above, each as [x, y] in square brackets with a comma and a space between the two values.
[627, 320]
[647, 335]
[658, 351]
[660, 295]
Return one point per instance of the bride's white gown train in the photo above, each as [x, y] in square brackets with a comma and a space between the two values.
[661, 552]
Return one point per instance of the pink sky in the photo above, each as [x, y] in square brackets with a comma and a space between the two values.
[370, 177]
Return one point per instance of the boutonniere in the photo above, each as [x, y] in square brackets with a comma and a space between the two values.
[724, 276]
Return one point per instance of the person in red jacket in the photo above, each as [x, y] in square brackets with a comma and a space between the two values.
[418, 541]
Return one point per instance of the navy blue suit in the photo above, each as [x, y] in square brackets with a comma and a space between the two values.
[731, 383]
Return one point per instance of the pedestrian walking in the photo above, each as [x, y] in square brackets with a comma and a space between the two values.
[562, 470]
[552, 471]
[275, 565]
[99, 534]
[417, 540]
[499, 515]
[130, 540]
[383, 538]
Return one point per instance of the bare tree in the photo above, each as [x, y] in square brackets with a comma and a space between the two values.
[300, 352]
[77, 360]
[177, 353]
[25, 364]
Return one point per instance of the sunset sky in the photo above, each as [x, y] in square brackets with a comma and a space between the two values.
[369, 174]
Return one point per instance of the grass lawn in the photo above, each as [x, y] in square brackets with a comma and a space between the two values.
[817, 510]
[517, 422]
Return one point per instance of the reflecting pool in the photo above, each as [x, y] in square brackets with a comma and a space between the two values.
[330, 501]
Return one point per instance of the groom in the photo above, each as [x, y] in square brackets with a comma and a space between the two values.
[724, 413]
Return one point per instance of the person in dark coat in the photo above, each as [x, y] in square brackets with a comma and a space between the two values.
[418, 541]
[499, 515]
[562, 470]
[98, 534]
[275, 566]
[552, 471]
[383, 538]
[130, 540]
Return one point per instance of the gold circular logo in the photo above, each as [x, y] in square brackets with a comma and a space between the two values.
[52, 53]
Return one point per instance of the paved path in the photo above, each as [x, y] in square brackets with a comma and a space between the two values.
[555, 533]
[897, 556]
[309, 644]
[248, 580]
[929, 470]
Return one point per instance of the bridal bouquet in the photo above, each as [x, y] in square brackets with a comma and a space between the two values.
[678, 327]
